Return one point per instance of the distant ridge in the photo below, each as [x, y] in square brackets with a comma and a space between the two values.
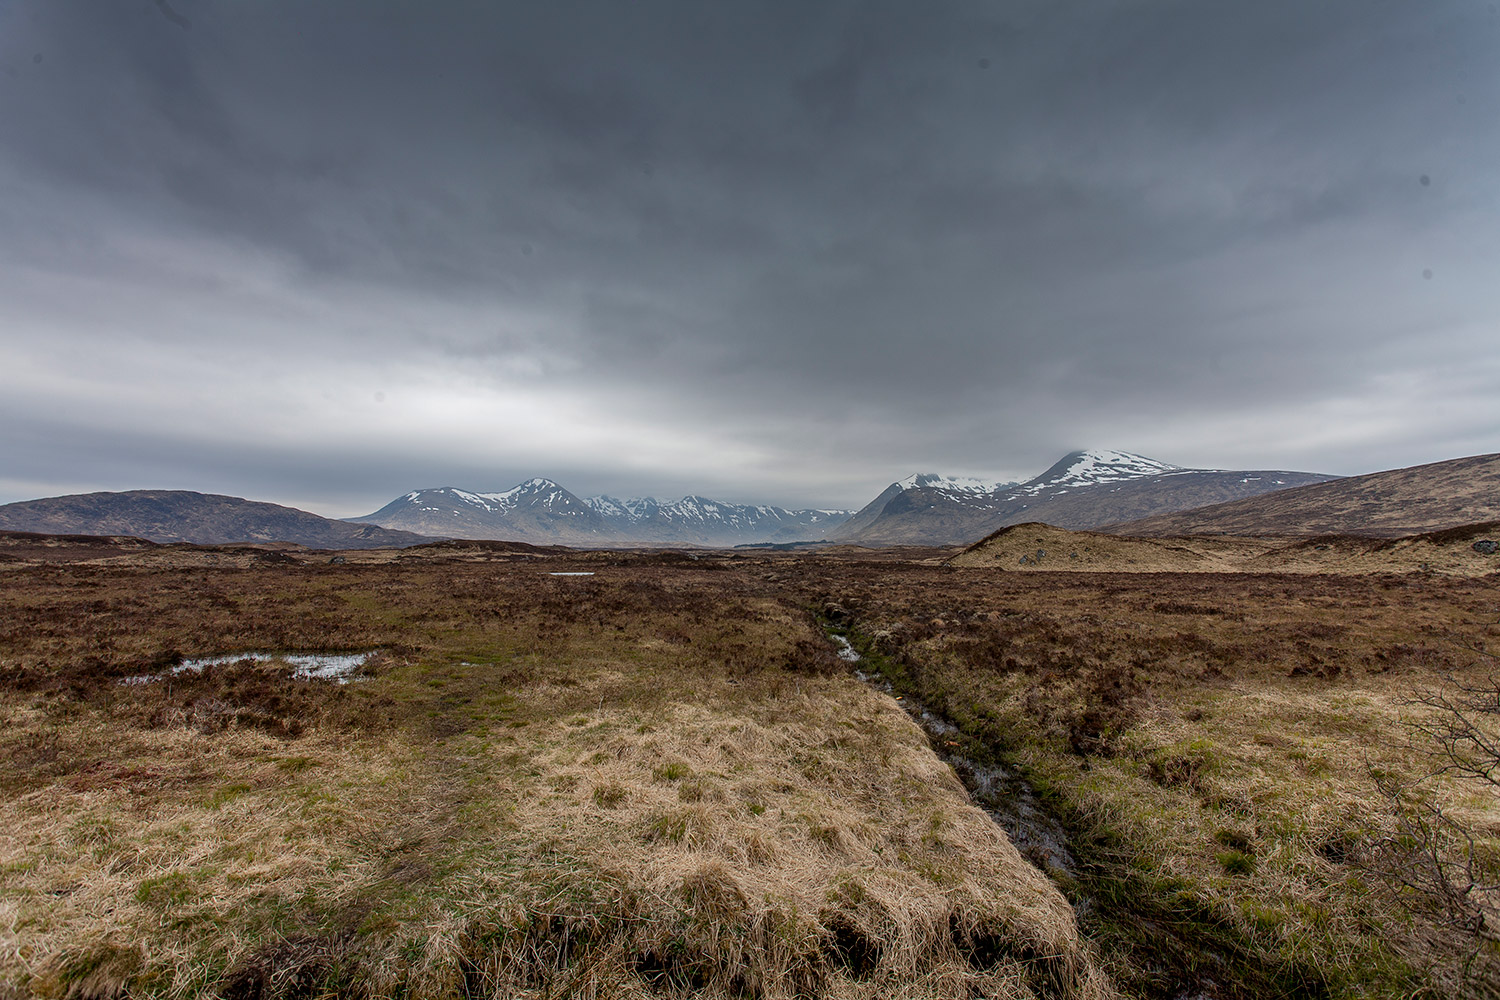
[541, 511]
[1391, 504]
[199, 518]
[1082, 490]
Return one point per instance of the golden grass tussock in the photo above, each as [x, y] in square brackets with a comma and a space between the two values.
[660, 799]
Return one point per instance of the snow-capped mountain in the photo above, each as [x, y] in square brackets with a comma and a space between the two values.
[1084, 489]
[1091, 468]
[953, 484]
[537, 510]
[701, 521]
[629, 509]
[541, 511]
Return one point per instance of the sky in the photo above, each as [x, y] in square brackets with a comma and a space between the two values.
[322, 252]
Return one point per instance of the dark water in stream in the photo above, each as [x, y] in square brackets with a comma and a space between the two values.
[999, 791]
[1006, 796]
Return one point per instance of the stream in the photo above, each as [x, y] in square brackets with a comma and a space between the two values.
[998, 790]
[1010, 801]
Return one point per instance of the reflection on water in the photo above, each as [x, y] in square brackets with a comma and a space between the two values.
[337, 667]
[1003, 793]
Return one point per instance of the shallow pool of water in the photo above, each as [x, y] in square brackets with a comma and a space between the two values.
[338, 667]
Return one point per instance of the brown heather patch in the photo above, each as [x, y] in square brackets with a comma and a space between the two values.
[654, 781]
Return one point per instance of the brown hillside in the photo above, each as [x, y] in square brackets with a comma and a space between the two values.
[198, 518]
[1468, 551]
[1390, 504]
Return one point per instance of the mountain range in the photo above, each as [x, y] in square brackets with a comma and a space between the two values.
[1085, 489]
[541, 511]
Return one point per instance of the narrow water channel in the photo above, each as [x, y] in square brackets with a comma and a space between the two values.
[1004, 794]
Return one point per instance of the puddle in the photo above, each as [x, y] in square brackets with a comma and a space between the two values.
[1004, 794]
[338, 667]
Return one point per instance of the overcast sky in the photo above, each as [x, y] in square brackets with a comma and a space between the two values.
[322, 253]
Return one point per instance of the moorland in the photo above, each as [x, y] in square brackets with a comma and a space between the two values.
[657, 776]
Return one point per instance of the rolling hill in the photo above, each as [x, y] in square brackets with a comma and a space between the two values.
[1471, 550]
[200, 518]
[1390, 504]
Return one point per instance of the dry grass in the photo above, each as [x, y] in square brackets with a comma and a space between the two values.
[1208, 739]
[658, 780]
[1043, 548]
[654, 781]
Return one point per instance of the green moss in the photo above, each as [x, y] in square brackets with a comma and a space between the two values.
[1236, 862]
[609, 796]
[225, 794]
[674, 771]
[166, 891]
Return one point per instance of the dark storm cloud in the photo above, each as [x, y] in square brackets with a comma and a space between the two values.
[784, 252]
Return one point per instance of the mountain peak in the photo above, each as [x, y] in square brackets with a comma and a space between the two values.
[953, 484]
[1082, 490]
[1097, 465]
[1109, 457]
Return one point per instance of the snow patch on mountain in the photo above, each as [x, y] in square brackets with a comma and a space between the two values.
[699, 510]
[541, 510]
[953, 484]
[1096, 467]
[536, 492]
[1080, 469]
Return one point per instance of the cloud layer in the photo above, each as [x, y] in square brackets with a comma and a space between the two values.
[325, 253]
